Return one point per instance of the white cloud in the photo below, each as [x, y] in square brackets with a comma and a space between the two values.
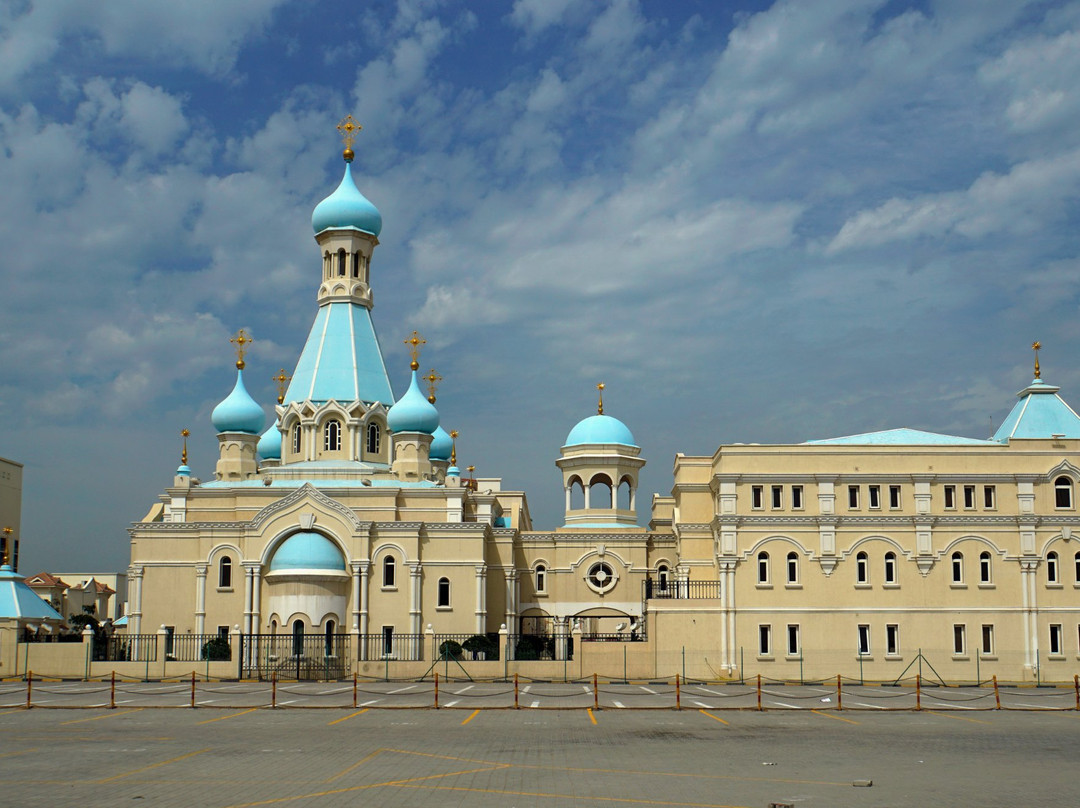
[535, 16]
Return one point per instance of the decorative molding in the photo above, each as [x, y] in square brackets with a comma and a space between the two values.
[306, 492]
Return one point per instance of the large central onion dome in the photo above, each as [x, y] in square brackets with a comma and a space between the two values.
[307, 550]
[413, 412]
[346, 207]
[600, 429]
[239, 412]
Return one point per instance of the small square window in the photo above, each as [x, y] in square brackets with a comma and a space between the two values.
[757, 497]
[874, 496]
[894, 497]
[797, 497]
[853, 497]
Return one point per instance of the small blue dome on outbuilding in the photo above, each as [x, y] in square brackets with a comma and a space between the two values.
[600, 429]
[307, 550]
[346, 207]
[441, 445]
[239, 412]
[413, 412]
[270, 443]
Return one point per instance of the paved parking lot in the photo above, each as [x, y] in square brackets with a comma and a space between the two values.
[539, 695]
[695, 757]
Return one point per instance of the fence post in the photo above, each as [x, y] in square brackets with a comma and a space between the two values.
[759, 692]
[436, 690]
[354, 690]
[273, 689]
[1076, 687]
[236, 647]
[88, 639]
[112, 691]
[162, 648]
[918, 691]
[997, 695]
[515, 691]
[29, 687]
[595, 694]
[504, 641]
[678, 693]
[839, 694]
[193, 687]
[684, 662]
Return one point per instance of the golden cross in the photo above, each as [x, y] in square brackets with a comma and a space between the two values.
[414, 342]
[183, 455]
[282, 381]
[453, 447]
[1035, 347]
[432, 380]
[348, 128]
[600, 404]
[7, 542]
[240, 341]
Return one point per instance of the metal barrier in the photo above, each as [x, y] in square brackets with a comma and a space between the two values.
[197, 648]
[301, 657]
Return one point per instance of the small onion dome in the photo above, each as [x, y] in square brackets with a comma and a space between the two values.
[307, 551]
[238, 412]
[345, 208]
[600, 429]
[269, 447]
[441, 445]
[413, 412]
[453, 471]
[183, 471]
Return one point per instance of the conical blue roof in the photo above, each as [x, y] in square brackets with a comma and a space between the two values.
[239, 412]
[441, 445]
[18, 601]
[1040, 413]
[347, 208]
[413, 412]
[269, 447]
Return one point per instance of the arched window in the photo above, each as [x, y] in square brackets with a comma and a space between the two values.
[957, 568]
[1076, 567]
[444, 592]
[327, 271]
[792, 568]
[374, 439]
[577, 494]
[862, 568]
[356, 265]
[600, 492]
[388, 572]
[298, 638]
[541, 578]
[296, 439]
[662, 577]
[985, 569]
[890, 567]
[624, 494]
[1063, 493]
[332, 435]
[1053, 574]
[341, 263]
[763, 568]
[224, 577]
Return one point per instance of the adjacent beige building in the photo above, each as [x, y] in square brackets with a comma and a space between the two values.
[10, 511]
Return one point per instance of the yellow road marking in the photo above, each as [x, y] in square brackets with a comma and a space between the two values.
[346, 718]
[713, 717]
[353, 766]
[16, 710]
[151, 766]
[223, 717]
[631, 800]
[111, 714]
[591, 716]
[958, 717]
[20, 752]
[471, 717]
[835, 717]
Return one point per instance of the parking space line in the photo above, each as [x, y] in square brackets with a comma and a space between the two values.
[343, 772]
[471, 717]
[591, 716]
[401, 690]
[223, 717]
[346, 718]
[451, 703]
[535, 704]
[835, 717]
[373, 701]
[99, 717]
[785, 704]
[871, 706]
[713, 717]
[19, 752]
[467, 687]
[151, 766]
[618, 704]
[958, 717]
[648, 690]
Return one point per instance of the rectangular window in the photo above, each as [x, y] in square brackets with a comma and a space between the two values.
[170, 639]
[223, 632]
[969, 497]
[987, 640]
[764, 640]
[864, 640]
[950, 497]
[894, 497]
[387, 641]
[757, 497]
[1055, 639]
[874, 496]
[959, 642]
[892, 640]
[777, 497]
[793, 640]
[989, 497]
[853, 496]
[796, 497]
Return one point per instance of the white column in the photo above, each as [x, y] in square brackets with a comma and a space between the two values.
[415, 612]
[481, 599]
[136, 599]
[200, 599]
[633, 498]
[355, 598]
[566, 490]
[560, 637]
[511, 600]
[247, 599]
[587, 503]
[730, 585]
[256, 600]
[365, 588]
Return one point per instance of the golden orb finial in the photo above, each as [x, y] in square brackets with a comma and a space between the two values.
[241, 340]
[282, 384]
[183, 455]
[453, 447]
[1035, 347]
[414, 342]
[5, 557]
[349, 129]
[433, 380]
[600, 403]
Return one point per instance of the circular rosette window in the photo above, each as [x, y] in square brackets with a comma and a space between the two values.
[601, 577]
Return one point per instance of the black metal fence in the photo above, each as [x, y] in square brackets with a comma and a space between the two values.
[127, 648]
[285, 656]
[466, 647]
[197, 648]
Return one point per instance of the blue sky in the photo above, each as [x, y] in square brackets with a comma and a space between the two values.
[755, 222]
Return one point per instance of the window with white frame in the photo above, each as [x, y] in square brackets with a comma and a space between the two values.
[853, 497]
[989, 497]
[987, 646]
[862, 568]
[985, 568]
[1063, 493]
[864, 639]
[959, 633]
[444, 594]
[957, 568]
[793, 646]
[764, 640]
[1056, 647]
[797, 497]
[874, 497]
[793, 568]
[225, 573]
[763, 568]
[969, 497]
[1053, 573]
[949, 493]
[890, 567]
[777, 493]
[332, 435]
[1076, 568]
[374, 439]
[894, 497]
[296, 439]
[389, 573]
[757, 497]
[662, 574]
[892, 640]
[540, 577]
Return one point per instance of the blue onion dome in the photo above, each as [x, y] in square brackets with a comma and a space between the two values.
[441, 445]
[183, 470]
[413, 412]
[238, 412]
[307, 550]
[347, 208]
[270, 443]
[600, 429]
[453, 471]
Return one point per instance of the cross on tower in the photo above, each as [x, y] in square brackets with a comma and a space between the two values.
[414, 342]
[282, 383]
[241, 340]
[433, 380]
[349, 129]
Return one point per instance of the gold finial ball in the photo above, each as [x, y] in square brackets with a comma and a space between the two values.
[185, 432]
[348, 155]
[240, 364]
[414, 365]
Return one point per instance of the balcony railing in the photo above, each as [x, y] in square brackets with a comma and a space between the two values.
[680, 590]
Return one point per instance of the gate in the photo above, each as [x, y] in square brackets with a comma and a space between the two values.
[308, 657]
